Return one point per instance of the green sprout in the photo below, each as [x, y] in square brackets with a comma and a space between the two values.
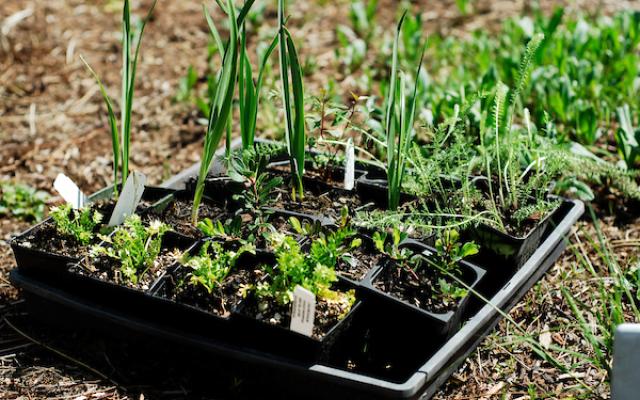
[134, 245]
[249, 91]
[213, 264]
[121, 144]
[400, 114]
[221, 101]
[77, 224]
[294, 117]
[22, 201]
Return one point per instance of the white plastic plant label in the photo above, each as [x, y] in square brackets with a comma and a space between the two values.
[303, 311]
[349, 171]
[129, 198]
[69, 191]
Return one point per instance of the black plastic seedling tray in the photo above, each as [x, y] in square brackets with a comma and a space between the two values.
[421, 363]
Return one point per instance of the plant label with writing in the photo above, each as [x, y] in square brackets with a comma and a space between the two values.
[69, 191]
[129, 198]
[303, 311]
[349, 171]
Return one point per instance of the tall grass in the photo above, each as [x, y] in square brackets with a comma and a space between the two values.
[400, 114]
[121, 140]
[294, 111]
[249, 91]
[612, 302]
[220, 103]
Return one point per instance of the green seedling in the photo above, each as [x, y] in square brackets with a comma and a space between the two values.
[77, 224]
[221, 102]
[121, 141]
[134, 246]
[293, 108]
[22, 201]
[213, 264]
[400, 114]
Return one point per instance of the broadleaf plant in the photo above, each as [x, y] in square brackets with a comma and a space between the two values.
[628, 138]
[22, 201]
[121, 140]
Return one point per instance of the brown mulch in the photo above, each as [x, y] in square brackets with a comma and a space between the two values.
[52, 120]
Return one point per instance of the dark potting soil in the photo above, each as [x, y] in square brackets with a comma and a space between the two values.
[418, 288]
[327, 176]
[47, 238]
[178, 215]
[108, 269]
[222, 300]
[327, 315]
[359, 264]
[328, 202]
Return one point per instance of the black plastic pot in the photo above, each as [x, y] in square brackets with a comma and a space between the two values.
[441, 324]
[37, 261]
[329, 176]
[78, 276]
[191, 317]
[405, 362]
[506, 251]
[159, 209]
[271, 338]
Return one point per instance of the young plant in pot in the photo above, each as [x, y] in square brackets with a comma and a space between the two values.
[267, 308]
[423, 282]
[294, 110]
[400, 111]
[133, 256]
[210, 276]
[517, 184]
[352, 253]
[48, 247]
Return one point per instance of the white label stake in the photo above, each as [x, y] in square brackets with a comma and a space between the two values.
[69, 191]
[349, 171]
[129, 198]
[303, 311]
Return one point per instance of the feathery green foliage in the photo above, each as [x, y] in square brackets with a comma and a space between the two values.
[77, 224]
[134, 245]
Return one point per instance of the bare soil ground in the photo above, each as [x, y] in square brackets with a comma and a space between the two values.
[52, 120]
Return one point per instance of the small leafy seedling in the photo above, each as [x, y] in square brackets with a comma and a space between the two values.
[78, 224]
[22, 201]
[134, 245]
[248, 168]
[314, 271]
[450, 251]
[213, 264]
